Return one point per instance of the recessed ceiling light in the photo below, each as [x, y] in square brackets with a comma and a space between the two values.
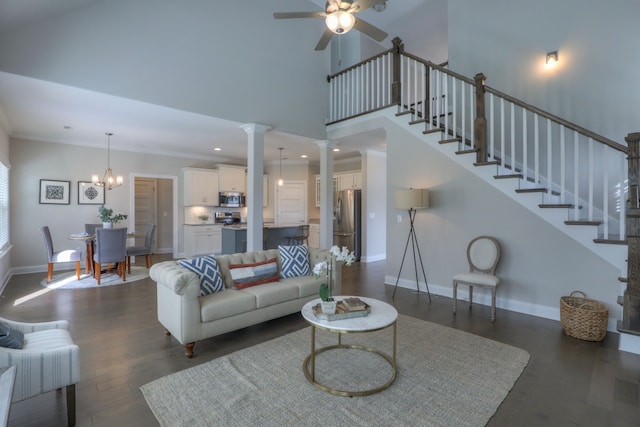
[336, 149]
[304, 156]
[217, 149]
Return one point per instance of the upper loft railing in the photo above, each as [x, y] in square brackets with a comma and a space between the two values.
[570, 166]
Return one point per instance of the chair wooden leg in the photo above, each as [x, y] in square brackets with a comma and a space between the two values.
[129, 263]
[78, 269]
[148, 260]
[98, 271]
[49, 272]
[493, 304]
[71, 405]
[189, 349]
[123, 266]
[470, 296]
[455, 296]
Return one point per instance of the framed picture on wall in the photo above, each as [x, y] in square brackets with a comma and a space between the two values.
[90, 194]
[54, 192]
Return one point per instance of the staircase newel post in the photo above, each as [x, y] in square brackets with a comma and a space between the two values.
[631, 299]
[480, 122]
[398, 50]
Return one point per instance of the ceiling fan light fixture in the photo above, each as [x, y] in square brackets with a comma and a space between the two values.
[340, 22]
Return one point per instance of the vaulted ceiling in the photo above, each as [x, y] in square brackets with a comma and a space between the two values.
[176, 79]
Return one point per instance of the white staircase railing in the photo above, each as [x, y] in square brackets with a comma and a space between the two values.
[572, 168]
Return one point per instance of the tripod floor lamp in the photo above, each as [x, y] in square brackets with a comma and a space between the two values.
[412, 200]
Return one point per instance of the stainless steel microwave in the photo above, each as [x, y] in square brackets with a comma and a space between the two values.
[231, 199]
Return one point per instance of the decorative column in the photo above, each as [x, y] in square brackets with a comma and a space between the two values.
[255, 173]
[326, 192]
[631, 299]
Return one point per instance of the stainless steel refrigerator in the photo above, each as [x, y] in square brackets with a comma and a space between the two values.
[347, 220]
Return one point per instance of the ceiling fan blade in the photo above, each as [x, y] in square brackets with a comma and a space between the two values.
[360, 5]
[292, 15]
[324, 40]
[370, 30]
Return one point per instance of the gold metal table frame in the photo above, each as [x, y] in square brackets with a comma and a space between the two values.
[309, 364]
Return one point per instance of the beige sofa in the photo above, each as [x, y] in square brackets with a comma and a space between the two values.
[190, 317]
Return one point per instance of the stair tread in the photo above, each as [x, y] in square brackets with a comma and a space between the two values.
[415, 122]
[403, 113]
[531, 190]
[472, 150]
[513, 175]
[434, 130]
[610, 241]
[583, 222]
[447, 141]
[555, 205]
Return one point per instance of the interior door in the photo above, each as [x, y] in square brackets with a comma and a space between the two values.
[146, 206]
[291, 203]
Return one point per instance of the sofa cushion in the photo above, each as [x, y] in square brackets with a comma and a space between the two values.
[295, 261]
[273, 293]
[206, 268]
[10, 338]
[224, 304]
[252, 274]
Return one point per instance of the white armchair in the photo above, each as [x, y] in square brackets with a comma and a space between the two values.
[48, 360]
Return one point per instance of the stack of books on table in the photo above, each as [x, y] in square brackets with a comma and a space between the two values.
[354, 304]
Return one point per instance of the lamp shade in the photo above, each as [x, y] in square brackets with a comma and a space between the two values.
[412, 199]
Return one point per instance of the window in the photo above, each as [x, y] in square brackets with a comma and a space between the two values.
[4, 205]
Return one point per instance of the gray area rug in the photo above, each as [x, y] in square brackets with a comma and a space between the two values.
[68, 280]
[445, 378]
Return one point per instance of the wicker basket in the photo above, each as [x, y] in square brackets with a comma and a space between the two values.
[583, 318]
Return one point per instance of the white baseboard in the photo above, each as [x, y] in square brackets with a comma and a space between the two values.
[373, 258]
[483, 297]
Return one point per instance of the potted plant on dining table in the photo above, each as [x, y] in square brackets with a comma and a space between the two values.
[328, 304]
[108, 218]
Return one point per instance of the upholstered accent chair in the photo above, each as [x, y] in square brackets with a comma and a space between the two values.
[483, 255]
[146, 250]
[111, 248]
[67, 255]
[48, 360]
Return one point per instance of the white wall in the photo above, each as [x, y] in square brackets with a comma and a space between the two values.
[539, 264]
[594, 83]
[374, 209]
[226, 59]
[5, 258]
[34, 160]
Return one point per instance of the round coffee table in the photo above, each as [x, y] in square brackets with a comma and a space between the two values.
[382, 316]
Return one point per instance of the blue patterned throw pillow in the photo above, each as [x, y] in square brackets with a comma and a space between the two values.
[206, 268]
[295, 261]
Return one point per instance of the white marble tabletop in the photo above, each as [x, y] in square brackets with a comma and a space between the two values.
[381, 316]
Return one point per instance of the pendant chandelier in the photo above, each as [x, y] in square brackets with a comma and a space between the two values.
[280, 180]
[108, 180]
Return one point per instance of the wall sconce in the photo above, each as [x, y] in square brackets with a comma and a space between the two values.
[552, 58]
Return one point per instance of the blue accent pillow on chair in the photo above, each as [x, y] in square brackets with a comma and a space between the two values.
[206, 268]
[294, 260]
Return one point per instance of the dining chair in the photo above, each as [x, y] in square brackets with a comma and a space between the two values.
[67, 255]
[90, 229]
[47, 359]
[483, 255]
[111, 248]
[146, 250]
[302, 235]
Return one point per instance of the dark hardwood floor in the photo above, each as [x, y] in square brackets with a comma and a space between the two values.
[568, 382]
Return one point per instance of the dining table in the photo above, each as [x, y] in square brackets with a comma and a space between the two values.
[90, 240]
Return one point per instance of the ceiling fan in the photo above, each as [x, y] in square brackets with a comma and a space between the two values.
[339, 17]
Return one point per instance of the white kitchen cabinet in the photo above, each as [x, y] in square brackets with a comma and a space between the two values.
[202, 240]
[349, 181]
[314, 235]
[232, 178]
[200, 187]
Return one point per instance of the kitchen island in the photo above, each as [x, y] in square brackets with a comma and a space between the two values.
[234, 237]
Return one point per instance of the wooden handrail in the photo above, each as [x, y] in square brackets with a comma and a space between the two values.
[359, 64]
